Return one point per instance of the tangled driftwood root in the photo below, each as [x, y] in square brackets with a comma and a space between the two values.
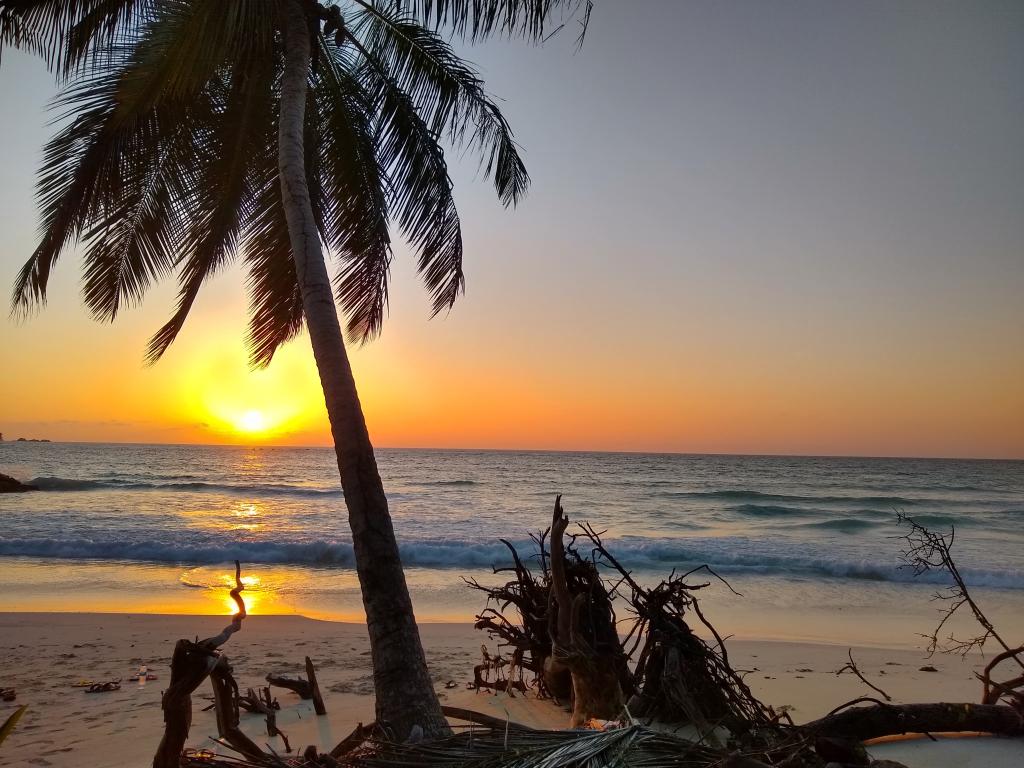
[564, 631]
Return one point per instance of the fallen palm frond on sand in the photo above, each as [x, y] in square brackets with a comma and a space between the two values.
[559, 628]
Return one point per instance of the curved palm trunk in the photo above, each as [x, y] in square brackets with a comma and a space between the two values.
[405, 693]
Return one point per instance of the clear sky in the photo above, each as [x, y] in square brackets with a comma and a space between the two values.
[754, 227]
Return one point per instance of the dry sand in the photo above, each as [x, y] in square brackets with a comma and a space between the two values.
[45, 654]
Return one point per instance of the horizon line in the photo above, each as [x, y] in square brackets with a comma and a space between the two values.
[328, 446]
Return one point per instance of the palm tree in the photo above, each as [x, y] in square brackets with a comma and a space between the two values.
[196, 131]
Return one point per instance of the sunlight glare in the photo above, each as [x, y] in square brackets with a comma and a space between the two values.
[252, 421]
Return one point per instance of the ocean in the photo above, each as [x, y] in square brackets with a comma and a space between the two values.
[811, 543]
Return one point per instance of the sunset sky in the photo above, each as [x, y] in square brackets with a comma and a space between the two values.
[786, 227]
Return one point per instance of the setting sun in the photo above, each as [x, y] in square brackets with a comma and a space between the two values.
[252, 421]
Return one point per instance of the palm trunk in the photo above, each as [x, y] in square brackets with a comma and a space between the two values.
[405, 693]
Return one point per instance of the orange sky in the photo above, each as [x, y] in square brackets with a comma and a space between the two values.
[799, 233]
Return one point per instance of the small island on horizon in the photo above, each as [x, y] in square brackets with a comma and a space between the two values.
[24, 439]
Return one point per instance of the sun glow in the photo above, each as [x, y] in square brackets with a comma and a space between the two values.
[251, 422]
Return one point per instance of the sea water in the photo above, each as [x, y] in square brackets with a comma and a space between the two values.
[810, 543]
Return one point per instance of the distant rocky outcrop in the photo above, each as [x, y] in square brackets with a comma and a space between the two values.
[9, 485]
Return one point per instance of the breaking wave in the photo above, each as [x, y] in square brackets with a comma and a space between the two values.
[265, 489]
[640, 553]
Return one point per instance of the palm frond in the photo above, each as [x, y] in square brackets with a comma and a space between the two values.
[66, 33]
[422, 195]
[631, 746]
[275, 300]
[187, 43]
[355, 189]
[134, 245]
[445, 90]
[135, 241]
[477, 20]
[80, 178]
[220, 201]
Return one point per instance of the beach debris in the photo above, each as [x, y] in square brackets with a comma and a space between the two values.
[12, 720]
[564, 631]
[667, 673]
[8, 694]
[191, 663]
[355, 740]
[1012, 690]
[851, 666]
[258, 702]
[451, 684]
[926, 551]
[112, 685]
[262, 702]
[493, 666]
[865, 723]
[306, 688]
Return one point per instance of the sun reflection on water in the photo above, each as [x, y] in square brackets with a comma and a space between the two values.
[252, 593]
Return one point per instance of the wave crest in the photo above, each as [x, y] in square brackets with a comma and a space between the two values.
[651, 555]
[266, 489]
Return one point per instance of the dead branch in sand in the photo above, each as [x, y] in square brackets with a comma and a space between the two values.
[191, 663]
[926, 551]
[851, 666]
[863, 723]
[306, 688]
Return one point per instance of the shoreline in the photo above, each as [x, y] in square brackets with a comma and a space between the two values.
[730, 640]
[64, 726]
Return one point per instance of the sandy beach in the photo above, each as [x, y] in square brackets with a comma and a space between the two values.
[47, 653]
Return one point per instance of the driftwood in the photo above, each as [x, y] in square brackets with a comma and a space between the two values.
[470, 716]
[584, 635]
[863, 723]
[259, 702]
[306, 688]
[851, 666]
[191, 663]
[924, 551]
[564, 631]
[318, 700]
[561, 626]
[1011, 690]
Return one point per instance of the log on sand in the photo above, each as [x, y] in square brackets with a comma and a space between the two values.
[863, 723]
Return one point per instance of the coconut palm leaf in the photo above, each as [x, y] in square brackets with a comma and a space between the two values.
[494, 748]
[65, 33]
[154, 167]
[8, 727]
[236, 161]
[477, 20]
[446, 91]
[81, 183]
[275, 302]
